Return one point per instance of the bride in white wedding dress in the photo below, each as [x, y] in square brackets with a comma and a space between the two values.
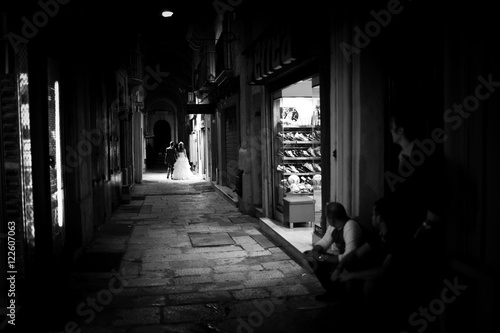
[182, 168]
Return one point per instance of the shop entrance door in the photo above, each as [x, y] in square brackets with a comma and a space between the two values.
[296, 153]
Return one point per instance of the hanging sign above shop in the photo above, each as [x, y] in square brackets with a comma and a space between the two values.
[270, 53]
[200, 108]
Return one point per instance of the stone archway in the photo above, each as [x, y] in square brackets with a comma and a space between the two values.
[162, 136]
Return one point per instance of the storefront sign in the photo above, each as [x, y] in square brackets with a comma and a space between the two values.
[270, 53]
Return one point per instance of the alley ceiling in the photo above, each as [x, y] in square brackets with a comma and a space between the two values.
[105, 31]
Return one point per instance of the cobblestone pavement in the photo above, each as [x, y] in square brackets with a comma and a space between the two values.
[186, 260]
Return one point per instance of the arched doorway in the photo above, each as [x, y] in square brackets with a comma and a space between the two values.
[162, 136]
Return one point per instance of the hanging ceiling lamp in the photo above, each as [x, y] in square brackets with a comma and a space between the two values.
[167, 13]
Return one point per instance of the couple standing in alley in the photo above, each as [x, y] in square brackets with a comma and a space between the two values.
[177, 162]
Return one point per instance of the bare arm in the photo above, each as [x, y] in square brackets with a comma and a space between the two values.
[352, 237]
[326, 242]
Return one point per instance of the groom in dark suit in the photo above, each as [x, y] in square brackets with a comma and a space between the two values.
[170, 157]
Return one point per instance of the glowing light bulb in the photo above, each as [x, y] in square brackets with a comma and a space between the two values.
[167, 13]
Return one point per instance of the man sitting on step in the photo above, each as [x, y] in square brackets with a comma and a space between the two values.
[342, 236]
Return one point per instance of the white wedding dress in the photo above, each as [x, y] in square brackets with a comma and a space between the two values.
[182, 169]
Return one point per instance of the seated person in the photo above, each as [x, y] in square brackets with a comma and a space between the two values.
[378, 270]
[342, 236]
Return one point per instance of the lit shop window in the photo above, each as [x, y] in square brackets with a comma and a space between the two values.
[55, 157]
[60, 191]
[26, 161]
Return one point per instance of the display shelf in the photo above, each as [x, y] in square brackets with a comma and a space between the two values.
[297, 127]
[315, 158]
[306, 163]
[291, 194]
[304, 192]
[297, 142]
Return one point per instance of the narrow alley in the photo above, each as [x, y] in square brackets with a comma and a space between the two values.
[181, 258]
[363, 130]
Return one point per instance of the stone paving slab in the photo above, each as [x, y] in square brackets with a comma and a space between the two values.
[143, 282]
[163, 251]
[205, 297]
[238, 233]
[194, 279]
[191, 313]
[232, 276]
[134, 301]
[237, 268]
[212, 249]
[193, 271]
[288, 290]
[262, 240]
[251, 293]
[277, 264]
[259, 253]
[210, 239]
[197, 263]
[163, 290]
[224, 285]
[249, 247]
[155, 266]
[244, 219]
[137, 315]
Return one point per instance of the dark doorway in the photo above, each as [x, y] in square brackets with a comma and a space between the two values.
[162, 133]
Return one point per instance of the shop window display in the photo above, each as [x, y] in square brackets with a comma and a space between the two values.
[297, 147]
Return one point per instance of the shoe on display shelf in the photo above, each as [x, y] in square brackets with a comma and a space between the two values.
[309, 167]
[301, 169]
